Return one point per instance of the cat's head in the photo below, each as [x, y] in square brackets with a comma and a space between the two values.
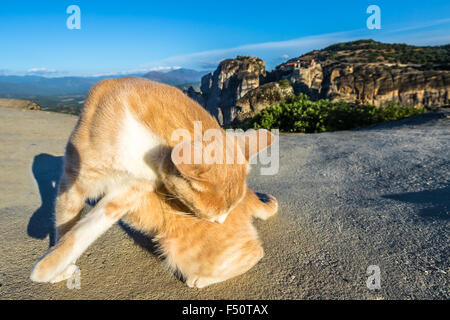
[211, 190]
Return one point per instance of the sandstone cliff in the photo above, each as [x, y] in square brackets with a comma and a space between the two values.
[230, 82]
[365, 72]
[257, 99]
[370, 72]
[379, 85]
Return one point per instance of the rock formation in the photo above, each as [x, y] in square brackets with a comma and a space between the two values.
[379, 85]
[19, 104]
[370, 72]
[230, 82]
[362, 72]
[195, 95]
[262, 97]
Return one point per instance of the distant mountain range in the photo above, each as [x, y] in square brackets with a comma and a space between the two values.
[28, 86]
[176, 77]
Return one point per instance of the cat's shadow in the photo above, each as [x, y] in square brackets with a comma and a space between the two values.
[47, 170]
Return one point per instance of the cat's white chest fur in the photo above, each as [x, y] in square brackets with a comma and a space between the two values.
[135, 142]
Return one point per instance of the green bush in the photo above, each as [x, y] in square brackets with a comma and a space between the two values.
[299, 114]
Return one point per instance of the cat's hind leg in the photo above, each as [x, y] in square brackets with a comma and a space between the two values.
[70, 203]
[246, 256]
[107, 212]
[201, 282]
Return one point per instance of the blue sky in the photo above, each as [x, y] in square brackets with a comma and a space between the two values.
[128, 36]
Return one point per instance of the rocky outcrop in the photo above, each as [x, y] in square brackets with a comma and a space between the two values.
[196, 95]
[19, 104]
[361, 72]
[231, 81]
[262, 97]
[305, 76]
[369, 72]
[379, 85]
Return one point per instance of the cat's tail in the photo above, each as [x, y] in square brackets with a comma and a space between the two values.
[267, 206]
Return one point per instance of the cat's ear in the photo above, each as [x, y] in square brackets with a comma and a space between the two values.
[253, 142]
[188, 159]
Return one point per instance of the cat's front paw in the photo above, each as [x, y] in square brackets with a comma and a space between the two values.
[42, 271]
[50, 267]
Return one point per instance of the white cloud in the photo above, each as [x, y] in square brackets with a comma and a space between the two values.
[420, 33]
[265, 50]
[419, 26]
[164, 68]
[43, 72]
[34, 72]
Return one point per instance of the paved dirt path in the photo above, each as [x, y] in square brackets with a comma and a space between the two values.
[350, 199]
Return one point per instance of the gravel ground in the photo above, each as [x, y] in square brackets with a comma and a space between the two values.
[377, 196]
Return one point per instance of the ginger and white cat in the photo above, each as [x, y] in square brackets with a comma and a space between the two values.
[120, 150]
[205, 252]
